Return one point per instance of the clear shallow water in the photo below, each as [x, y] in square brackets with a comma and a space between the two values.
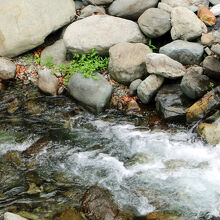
[144, 169]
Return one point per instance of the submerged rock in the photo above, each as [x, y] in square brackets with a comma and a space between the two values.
[25, 25]
[127, 61]
[101, 32]
[162, 216]
[162, 65]
[210, 132]
[98, 205]
[171, 103]
[184, 52]
[130, 9]
[204, 106]
[93, 93]
[185, 24]
[154, 22]
[70, 214]
[7, 68]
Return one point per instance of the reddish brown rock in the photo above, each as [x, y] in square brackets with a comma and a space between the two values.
[206, 16]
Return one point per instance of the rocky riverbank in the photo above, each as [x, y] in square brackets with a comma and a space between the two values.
[158, 55]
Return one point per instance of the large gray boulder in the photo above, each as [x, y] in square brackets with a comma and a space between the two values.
[130, 9]
[185, 52]
[186, 3]
[185, 24]
[171, 103]
[101, 32]
[93, 93]
[162, 65]
[149, 87]
[154, 22]
[7, 69]
[211, 67]
[25, 24]
[47, 82]
[127, 61]
[56, 53]
[12, 216]
[194, 84]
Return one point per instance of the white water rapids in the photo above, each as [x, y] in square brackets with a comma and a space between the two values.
[144, 169]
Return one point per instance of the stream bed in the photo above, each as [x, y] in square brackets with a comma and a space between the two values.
[51, 151]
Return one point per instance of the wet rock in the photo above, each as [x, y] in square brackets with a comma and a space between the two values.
[216, 9]
[98, 2]
[29, 215]
[210, 38]
[185, 52]
[93, 93]
[54, 54]
[171, 103]
[131, 9]
[149, 87]
[206, 16]
[194, 84]
[14, 158]
[13, 106]
[25, 29]
[47, 82]
[211, 67]
[133, 87]
[127, 61]
[215, 118]
[90, 10]
[104, 29]
[2, 86]
[132, 107]
[139, 159]
[210, 132]
[164, 66]
[204, 106]
[177, 164]
[154, 22]
[98, 204]
[34, 189]
[216, 49]
[186, 25]
[162, 216]
[12, 216]
[33, 108]
[70, 214]
[7, 68]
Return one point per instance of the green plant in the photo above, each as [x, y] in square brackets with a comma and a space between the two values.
[48, 62]
[87, 64]
[28, 59]
[151, 46]
[211, 85]
[37, 59]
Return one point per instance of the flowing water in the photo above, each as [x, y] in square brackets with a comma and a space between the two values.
[144, 168]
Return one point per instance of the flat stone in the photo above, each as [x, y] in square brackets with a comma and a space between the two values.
[54, 54]
[101, 32]
[211, 67]
[194, 84]
[186, 25]
[47, 82]
[154, 22]
[171, 103]
[210, 133]
[7, 69]
[149, 87]
[131, 9]
[25, 24]
[185, 52]
[162, 65]
[127, 61]
[199, 110]
[133, 87]
[94, 94]
[206, 16]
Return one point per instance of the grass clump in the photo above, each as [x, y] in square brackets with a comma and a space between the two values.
[87, 64]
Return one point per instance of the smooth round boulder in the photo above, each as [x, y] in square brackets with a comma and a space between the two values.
[7, 69]
[131, 9]
[186, 25]
[127, 61]
[154, 22]
[101, 32]
[185, 52]
[25, 24]
[186, 3]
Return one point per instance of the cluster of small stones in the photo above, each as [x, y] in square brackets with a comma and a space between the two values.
[181, 77]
